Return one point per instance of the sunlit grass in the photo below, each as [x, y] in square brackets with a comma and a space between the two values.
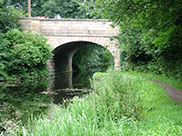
[160, 115]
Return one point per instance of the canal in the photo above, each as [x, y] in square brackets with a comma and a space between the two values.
[20, 101]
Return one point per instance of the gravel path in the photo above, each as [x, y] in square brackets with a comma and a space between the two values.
[172, 92]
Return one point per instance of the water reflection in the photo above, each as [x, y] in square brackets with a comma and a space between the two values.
[63, 80]
[64, 88]
[21, 100]
[18, 101]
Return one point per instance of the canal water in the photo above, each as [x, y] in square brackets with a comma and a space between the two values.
[20, 101]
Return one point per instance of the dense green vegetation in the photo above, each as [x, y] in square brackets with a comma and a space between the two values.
[49, 8]
[88, 60]
[121, 104]
[97, 55]
[9, 17]
[150, 33]
[22, 54]
[91, 57]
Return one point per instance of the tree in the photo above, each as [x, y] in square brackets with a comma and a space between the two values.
[67, 9]
[49, 8]
[9, 17]
[150, 31]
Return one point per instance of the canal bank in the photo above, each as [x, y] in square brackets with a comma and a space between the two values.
[121, 104]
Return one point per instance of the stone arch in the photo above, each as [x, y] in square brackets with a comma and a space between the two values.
[105, 42]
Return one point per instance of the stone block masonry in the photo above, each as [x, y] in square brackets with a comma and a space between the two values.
[60, 32]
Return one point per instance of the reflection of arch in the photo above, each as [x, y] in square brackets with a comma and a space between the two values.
[58, 42]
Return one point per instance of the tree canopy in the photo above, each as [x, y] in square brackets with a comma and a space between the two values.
[150, 31]
[49, 8]
[9, 17]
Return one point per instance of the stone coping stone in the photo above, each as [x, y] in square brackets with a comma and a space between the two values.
[64, 19]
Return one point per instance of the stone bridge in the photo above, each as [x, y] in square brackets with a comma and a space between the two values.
[66, 36]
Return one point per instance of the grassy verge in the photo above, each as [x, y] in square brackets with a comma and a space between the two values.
[121, 104]
[160, 115]
[177, 83]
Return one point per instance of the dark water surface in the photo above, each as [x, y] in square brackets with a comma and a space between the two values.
[19, 101]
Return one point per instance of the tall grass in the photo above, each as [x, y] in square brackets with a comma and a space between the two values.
[121, 104]
[118, 95]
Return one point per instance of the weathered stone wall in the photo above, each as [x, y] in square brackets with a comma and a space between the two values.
[70, 27]
[62, 31]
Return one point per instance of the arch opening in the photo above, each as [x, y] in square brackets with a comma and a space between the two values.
[63, 58]
[64, 53]
[87, 61]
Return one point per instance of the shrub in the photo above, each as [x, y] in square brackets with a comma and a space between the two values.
[23, 53]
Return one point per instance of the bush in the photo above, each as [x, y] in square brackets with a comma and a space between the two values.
[23, 54]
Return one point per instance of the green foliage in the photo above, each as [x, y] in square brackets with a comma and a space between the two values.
[88, 115]
[9, 17]
[23, 53]
[119, 95]
[67, 9]
[22, 4]
[88, 60]
[150, 32]
[162, 78]
[49, 8]
[92, 58]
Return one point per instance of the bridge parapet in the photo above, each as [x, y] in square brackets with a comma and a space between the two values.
[70, 27]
